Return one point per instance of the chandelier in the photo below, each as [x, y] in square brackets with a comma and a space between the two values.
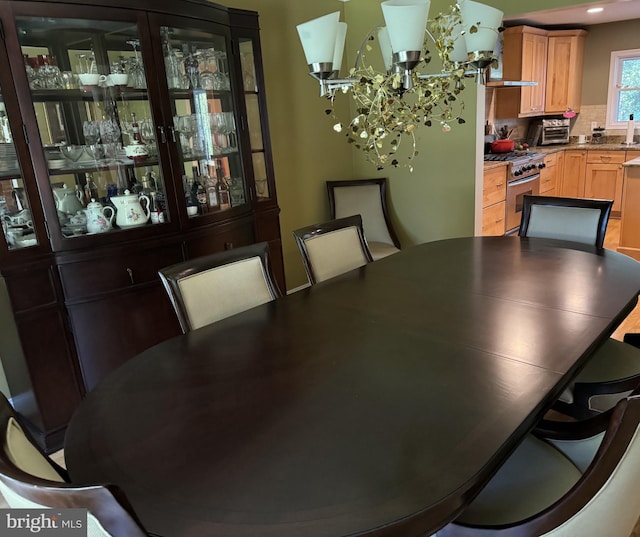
[390, 104]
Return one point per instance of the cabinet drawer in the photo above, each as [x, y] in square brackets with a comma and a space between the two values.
[547, 179]
[87, 278]
[551, 160]
[494, 188]
[606, 157]
[493, 219]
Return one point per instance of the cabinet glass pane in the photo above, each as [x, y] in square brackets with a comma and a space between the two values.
[15, 213]
[204, 120]
[252, 103]
[89, 91]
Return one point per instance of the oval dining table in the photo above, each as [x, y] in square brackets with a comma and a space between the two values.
[377, 403]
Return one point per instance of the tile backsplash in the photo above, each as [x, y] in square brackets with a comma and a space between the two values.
[581, 124]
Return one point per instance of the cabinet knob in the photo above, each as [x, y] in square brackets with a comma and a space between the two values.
[130, 273]
[163, 136]
[228, 246]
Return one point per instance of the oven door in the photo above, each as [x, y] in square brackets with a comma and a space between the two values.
[516, 190]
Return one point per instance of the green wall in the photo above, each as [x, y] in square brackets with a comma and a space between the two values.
[601, 41]
[435, 201]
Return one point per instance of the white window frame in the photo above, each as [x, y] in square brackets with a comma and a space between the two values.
[615, 72]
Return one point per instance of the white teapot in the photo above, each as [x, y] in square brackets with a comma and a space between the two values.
[129, 212]
[68, 200]
[99, 218]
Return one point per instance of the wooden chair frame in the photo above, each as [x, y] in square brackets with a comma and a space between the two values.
[620, 424]
[172, 275]
[604, 206]
[303, 234]
[382, 184]
[105, 502]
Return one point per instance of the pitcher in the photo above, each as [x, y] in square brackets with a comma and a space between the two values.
[129, 211]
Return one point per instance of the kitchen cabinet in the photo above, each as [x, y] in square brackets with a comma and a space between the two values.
[155, 113]
[572, 184]
[549, 174]
[524, 58]
[494, 193]
[603, 177]
[565, 60]
[629, 243]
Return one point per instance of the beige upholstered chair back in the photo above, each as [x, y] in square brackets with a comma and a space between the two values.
[365, 201]
[613, 509]
[570, 219]
[30, 480]
[210, 288]
[366, 197]
[223, 291]
[333, 248]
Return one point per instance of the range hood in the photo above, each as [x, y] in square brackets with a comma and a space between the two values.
[509, 83]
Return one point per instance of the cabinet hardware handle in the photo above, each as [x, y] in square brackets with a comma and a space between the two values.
[499, 184]
[130, 273]
[228, 246]
[163, 136]
[172, 132]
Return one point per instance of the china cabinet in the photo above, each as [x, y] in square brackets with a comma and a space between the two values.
[133, 135]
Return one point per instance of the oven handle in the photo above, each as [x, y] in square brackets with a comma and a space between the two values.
[525, 180]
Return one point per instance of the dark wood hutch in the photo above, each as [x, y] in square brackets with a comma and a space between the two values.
[178, 147]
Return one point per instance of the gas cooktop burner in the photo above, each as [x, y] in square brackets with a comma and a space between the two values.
[511, 155]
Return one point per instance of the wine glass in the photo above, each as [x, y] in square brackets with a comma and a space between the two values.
[72, 152]
[137, 77]
[148, 134]
[91, 131]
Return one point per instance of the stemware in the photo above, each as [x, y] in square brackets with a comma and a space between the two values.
[95, 151]
[72, 152]
[148, 134]
[191, 67]
[228, 128]
[221, 76]
[91, 131]
[110, 135]
[137, 79]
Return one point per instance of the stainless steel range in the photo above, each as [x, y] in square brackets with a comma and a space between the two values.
[523, 177]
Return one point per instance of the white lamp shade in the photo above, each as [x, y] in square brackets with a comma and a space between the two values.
[486, 19]
[338, 50]
[318, 37]
[406, 21]
[385, 47]
[459, 51]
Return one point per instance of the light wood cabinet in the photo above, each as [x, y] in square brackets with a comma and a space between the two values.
[549, 175]
[565, 59]
[603, 177]
[630, 218]
[572, 184]
[524, 58]
[494, 193]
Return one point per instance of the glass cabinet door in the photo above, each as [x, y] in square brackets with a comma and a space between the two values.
[89, 90]
[204, 120]
[15, 210]
[252, 96]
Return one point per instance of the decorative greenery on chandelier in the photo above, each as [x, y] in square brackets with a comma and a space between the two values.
[391, 105]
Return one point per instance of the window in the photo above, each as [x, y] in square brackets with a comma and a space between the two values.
[624, 88]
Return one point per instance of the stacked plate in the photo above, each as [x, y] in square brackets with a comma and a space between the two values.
[8, 159]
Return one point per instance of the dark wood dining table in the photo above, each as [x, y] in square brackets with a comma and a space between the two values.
[377, 403]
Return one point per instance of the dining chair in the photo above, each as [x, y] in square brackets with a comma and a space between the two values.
[332, 248]
[614, 369]
[570, 219]
[31, 480]
[581, 481]
[368, 198]
[209, 288]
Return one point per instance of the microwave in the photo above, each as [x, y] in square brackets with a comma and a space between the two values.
[549, 131]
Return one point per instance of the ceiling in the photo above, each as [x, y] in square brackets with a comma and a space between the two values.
[614, 10]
